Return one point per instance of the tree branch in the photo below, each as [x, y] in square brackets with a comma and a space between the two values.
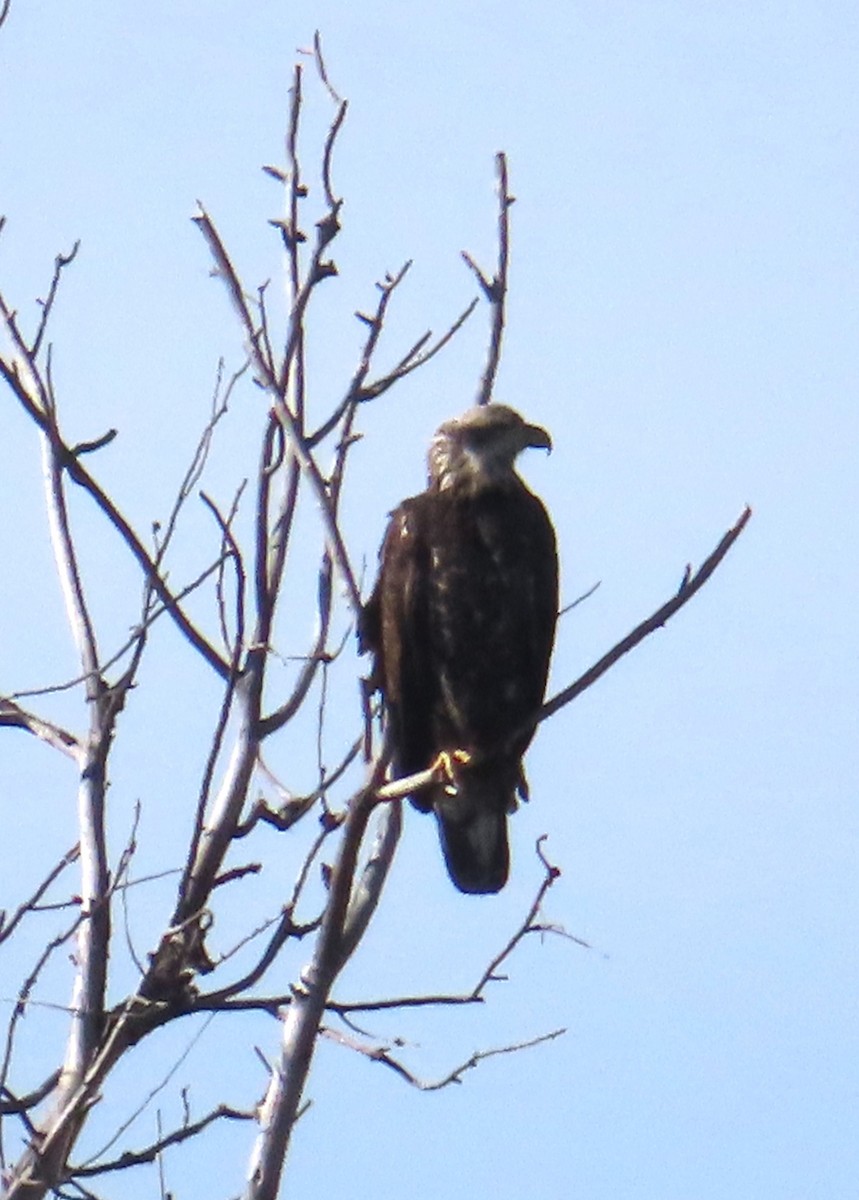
[60, 263]
[495, 289]
[279, 1111]
[690, 584]
[490, 974]
[11, 714]
[24, 995]
[382, 1054]
[80, 475]
[276, 381]
[14, 1105]
[7, 928]
[413, 360]
[134, 1158]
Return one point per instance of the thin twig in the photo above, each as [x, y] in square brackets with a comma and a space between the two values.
[205, 788]
[371, 390]
[86, 1167]
[60, 263]
[194, 472]
[490, 974]
[25, 990]
[121, 885]
[276, 382]
[495, 289]
[332, 202]
[317, 656]
[154, 614]
[321, 68]
[295, 192]
[294, 807]
[382, 1054]
[233, 551]
[37, 404]
[134, 1158]
[374, 325]
[286, 928]
[7, 928]
[579, 600]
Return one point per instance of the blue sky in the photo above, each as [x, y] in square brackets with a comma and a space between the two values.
[683, 318]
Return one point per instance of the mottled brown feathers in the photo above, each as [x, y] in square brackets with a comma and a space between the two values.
[461, 624]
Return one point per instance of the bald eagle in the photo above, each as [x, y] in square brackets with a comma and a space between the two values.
[461, 624]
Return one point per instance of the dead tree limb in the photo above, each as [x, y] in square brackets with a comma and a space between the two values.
[690, 584]
[255, 704]
[495, 289]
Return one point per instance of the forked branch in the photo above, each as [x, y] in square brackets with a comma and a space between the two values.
[530, 924]
[135, 1158]
[382, 1054]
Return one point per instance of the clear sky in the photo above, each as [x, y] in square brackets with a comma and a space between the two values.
[683, 317]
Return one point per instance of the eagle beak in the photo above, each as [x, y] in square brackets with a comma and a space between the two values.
[536, 436]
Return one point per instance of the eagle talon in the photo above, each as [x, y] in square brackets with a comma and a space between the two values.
[446, 765]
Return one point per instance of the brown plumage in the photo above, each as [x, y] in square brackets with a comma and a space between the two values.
[461, 624]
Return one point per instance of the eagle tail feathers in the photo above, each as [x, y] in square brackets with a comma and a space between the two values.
[472, 822]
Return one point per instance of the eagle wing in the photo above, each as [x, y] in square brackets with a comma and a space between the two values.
[394, 627]
[461, 624]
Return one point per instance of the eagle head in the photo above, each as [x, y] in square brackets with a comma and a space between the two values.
[479, 449]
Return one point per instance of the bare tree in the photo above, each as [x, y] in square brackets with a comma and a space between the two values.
[350, 819]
